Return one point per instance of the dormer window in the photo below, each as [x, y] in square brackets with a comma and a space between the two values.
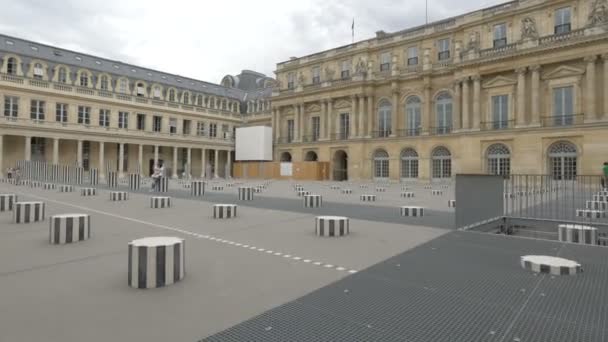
[103, 82]
[141, 90]
[500, 35]
[62, 75]
[412, 55]
[186, 98]
[84, 79]
[443, 48]
[38, 71]
[156, 92]
[123, 86]
[316, 75]
[562, 20]
[385, 61]
[172, 95]
[11, 66]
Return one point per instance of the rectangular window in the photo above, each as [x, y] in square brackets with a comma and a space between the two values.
[86, 154]
[11, 106]
[225, 131]
[38, 72]
[157, 123]
[104, 117]
[291, 77]
[500, 111]
[412, 55]
[156, 93]
[84, 115]
[200, 128]
[443, 46]
[316, 75]
[123, 120]
[563, 106]
[290, 130]
[316, 121]
[122, 86]
[141, 122]
[345, 69]
[500, 35]
[562, 20]
[212, 130]
[173, 125]
[344, 125]
[385, 61]
[37, 110]
[186, 127]
[103, 83]
[61, 112]
[141, 91]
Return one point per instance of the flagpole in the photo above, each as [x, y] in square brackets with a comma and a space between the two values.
[353, 30]
[426, 4]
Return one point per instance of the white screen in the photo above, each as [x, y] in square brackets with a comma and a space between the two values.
[253, 143]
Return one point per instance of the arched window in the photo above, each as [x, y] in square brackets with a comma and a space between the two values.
[413, 112]
[384, 119]
[499, 160]
[444, 113]
[186, 98]
[441, 163]
[123, 86]
[11, 66]
[84, 79]
[62, 75]
[172, 95]
[381, 164]
[103, 82]
[311, 156]
[199, 100]
[38, 71]
[286, 157]
[562, 160]
[409, 163]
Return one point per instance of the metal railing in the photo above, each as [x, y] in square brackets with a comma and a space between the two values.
[285, 140]
[310, 138]
[382, 133]
[440, 130]
[339, 136]
[562, 120]
[497, 125]
[410, 132]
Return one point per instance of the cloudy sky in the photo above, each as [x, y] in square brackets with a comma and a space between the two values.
[206, 39]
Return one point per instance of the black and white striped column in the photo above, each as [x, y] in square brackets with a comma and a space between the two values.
[49, 186]
[66, 188]
[197, 188]
[436, 192]
[224, 211]
[407, 194]
[428, 187]
[412, 211]
[451, 203]
[600, 198]
[380, 189]
[591, 214]
[217, 188]
[245, 193]
[156, 262]
[346, 191]
[303, 193]
[335, 187]
[112, 179]
[550, 265]
[163, 185]
[94, 177]
[116, 196]
[331, 226]
[134, 181]
[7, 202]
[367, 198]
[68, 228]
[363, 186]
[577, 233]
[313, 201]
[88, 192]
[596, 205]
[27, 212]
[159, 202]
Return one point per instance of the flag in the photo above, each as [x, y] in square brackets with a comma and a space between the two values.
[353, 29]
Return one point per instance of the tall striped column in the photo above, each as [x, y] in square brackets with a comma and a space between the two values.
[134, 181]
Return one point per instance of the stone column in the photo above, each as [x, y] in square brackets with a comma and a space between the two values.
[228, 164]
[521, 97]
[476, 101]
[395, 113]
[353, 117]
[605, 59]
[590, 112]
[278, 122]
[296, 122]
[330, 123]
[189, 162]
[465, 104]
[427, 112]
[140, 159]
[155, 155]
[535, 95]
[79, 153]
[361, 129]
[457, 104]
[273, 124]
[2, 175]
[55, 151]
[203, 163]
[102, 158]
[371, 122]
[216, 164]
[121, 159]
[175, 151]
[322, 122]
[303, 131]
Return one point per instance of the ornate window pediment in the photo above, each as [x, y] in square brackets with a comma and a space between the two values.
[564, 71]
[499, 81]
[342, 104]
[313, 108]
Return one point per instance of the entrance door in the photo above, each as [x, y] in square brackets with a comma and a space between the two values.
[340, 166]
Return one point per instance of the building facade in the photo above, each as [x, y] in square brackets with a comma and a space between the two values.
[517, 88]
[64, 107]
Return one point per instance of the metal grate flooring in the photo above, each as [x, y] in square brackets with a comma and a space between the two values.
[461, 287]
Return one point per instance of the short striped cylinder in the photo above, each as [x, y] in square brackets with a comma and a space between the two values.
[335, 187]
[346, 191]
[444, 186]
[224, 211]
[600, 198]
[68, 228]
[258, 189]
[596, 205]
[159, 202]
[134, 181]
[27, 212]
[116, 196]
[303, 193]
[88, 192]
[380, 189]
[313, 201]
[49, 186]
[217, 188]
[602, 193]
[451, 203]
[66, 188]
[229, 185]
[577, 233]
[363, 186]
[156, 262]
[163, 185]
[299, 188]
[412, 211]
[112, 179]
[245, 193]
[296, 186]
[35, 184]
[367, 198]
[508, 195]
[591, 214]
[407, 194]
[550, 265]
[428, 187]
[331, 226]
[197, 188]
[436, 192]
[7, 202]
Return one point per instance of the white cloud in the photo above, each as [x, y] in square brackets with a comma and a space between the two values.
[208, 39]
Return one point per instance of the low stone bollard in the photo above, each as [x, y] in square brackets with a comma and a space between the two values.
[577, 233]
[331, 226]
[380, 189]
[28, 212]
[590, 214]
[66, 188]
[116, 196]
[550, 265]
[367, 198]
[197, 188]
[156, 262]
[88, 192]
[407, 194]
[451, 203]
[245, 193]
[596, 205]
[49, 186]
[7, 202]
[436, 192]
[224, 211]
[412, 211]
[68, 228]
[313, 201]
[346, 191]
[160, 202]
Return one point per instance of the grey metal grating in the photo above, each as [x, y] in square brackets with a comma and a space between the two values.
[461, 287]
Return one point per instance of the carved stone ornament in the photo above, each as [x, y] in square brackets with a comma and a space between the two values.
[473, 43]
[301, 79]
[528, 28]
[599, 13]
[329, 73]
[361, 68]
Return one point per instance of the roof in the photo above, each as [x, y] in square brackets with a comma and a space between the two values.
[29, 50]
